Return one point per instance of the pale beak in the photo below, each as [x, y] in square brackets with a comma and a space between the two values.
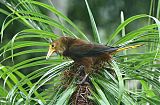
[50, 52]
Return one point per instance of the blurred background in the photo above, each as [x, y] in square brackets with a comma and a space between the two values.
[105, 12]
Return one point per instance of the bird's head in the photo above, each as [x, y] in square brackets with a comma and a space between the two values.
[58, 46]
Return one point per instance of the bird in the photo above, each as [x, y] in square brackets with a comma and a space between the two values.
[84, 53]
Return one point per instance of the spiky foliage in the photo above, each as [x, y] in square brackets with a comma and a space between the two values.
[43, 85]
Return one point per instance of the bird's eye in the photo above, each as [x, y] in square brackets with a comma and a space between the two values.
[52, 45]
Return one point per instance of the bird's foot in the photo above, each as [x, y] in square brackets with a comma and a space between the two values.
[84, 80]
[80, 69]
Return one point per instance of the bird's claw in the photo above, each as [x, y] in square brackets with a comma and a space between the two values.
[83, 80]
[80, 68]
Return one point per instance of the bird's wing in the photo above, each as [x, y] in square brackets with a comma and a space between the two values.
[88, 50]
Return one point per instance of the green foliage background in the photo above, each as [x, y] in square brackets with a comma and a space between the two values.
[27, 78]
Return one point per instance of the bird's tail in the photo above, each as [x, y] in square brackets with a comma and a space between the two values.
[128, 47]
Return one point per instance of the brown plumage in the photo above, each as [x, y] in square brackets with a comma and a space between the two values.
[82, 52]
